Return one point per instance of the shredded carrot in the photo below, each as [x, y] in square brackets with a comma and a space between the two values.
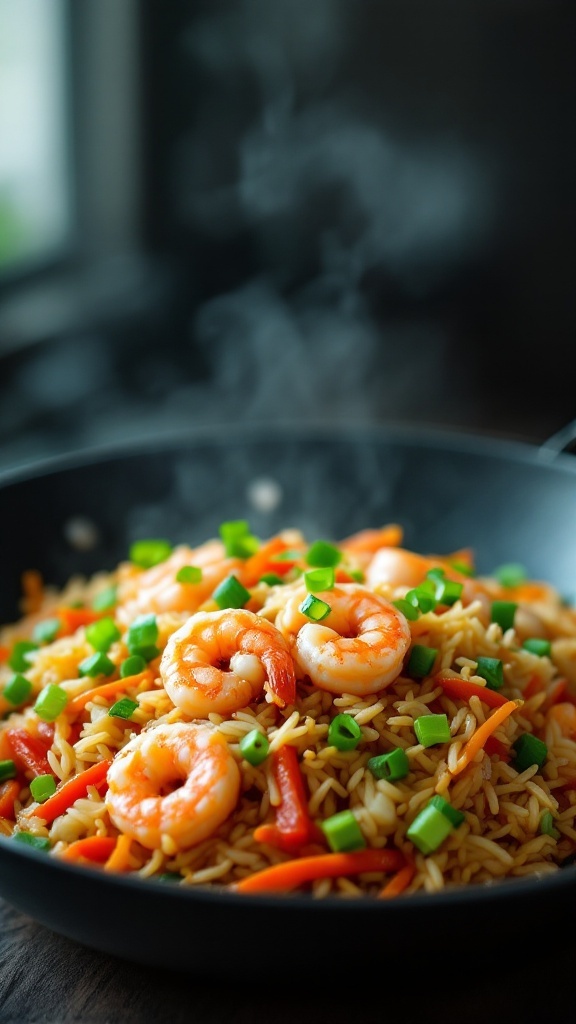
[33, 590]
[71, 791]
[293, 827]
[73, 618]
[368, 541]
[75, 706]
[96, 848]
[400, 881]
[119, 858]
[263, 561]
[8, 793]
[293, 873]
[478, 739]
[565, 715]
[461, 689]
[4, 653]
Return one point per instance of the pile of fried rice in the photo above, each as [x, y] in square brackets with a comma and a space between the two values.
[375, 804]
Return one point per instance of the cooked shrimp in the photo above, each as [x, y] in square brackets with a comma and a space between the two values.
[360, 547]
[358, 648]
[157, 589]
[400, 568]
[177, 780]
[220, 661]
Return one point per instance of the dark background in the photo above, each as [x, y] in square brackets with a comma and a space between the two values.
[300, 210]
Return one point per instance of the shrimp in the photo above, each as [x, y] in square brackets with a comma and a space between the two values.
[220, 661]
[157, 589]
[400, 568]
[177, 780]
[358, 648]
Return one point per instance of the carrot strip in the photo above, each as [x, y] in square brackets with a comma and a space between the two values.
[293, 873]
[461, 689]
[73, 618]
[4, 653]
[293, 827]
[75, 706]
[96, 848]
[477, 741]
[263, 561]
[71, 791]
[400, 881]
[8, 792]
[370, 540]
[118, 859]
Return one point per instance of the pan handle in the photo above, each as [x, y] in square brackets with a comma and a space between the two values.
[564, 440]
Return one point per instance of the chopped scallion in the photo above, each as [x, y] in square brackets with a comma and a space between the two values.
[432, 729]
[8, 770]
[17, 690]
[511, 574]
[123, 708]
[238, 541]
[189, 574]
[132, 666]
[106, 599]
[98, 664]
[271, 579]
[422, 598]
[429, 829]
[321, 554]
[42, 787]
[231, 593]
[319, 579]
[503, 613]
[314, 608]
[492, 670]
[455, 817]
[421, 661]
[46, 631]
[343, 832]
[344, 733]
[102, 634]
[409, 611]
[36, 842]
[448, 591]
[143, 633]
[391, 766]
[146, 553]
[50, 702]
[19, 660]
[547, 825]
[529, 750]
[254, 747]
[537, 645]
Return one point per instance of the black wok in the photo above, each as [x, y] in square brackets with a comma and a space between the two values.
[78, 514]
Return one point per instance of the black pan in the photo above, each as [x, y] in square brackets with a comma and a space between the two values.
[78, 514]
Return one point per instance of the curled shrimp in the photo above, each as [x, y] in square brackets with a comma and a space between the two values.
[177, 780]
[358, 648]
[157, 589]
[401, 568]
[220, 661]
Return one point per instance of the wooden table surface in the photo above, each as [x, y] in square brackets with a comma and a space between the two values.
[48, 979]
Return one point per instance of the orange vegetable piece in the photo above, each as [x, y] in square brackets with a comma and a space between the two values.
[478, 739]
[118, 859]
[294, 873]
[8, 793]
[96, 848]
[71, 791]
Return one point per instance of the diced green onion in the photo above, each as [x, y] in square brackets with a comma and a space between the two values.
[46, 631]
[254, 747]
[189, 574]
[142, 633]
[231, 593]
[422, 598]
[539, 646]
[321, 554]
[547, 825]
[344, 733]
[432, 729]
[391, 766]
[409, 611]
[98, 664]
[18, 660]
[492, 670]
[42, 787]
[448, 592]
[529, 750]
[455, 817]
[123, 708]
[17, 690]
[437, 574]
[50, 702]
[463, 568]
[319, 579]
[237, 539]
[357, 575]
[37, 842]
[146, 553]
[148, 653]
[429, 829]
[291, 555]
[168, 876]
[314, 608]
[511, 574]
[503, 613]
[421, 661]
[271, 579]
[132, 666]
[343, 832]
[8, 770]
[102, 634]
[106, 599]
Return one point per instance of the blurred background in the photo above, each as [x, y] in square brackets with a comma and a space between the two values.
[222, 211]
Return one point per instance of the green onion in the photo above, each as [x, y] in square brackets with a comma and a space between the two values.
[231, 593]
[17, 689]
[529, 750]
[437, 574]
[319, 579]
[492, 670]
[511, 574]
[432, 729]
[106, 599]
[271, 579]
[421, 661]
[429, 829]
[142, 634]
[291, 555]
[123, 708]
[132, 666]
[189, 574]
[448, 592]
[8, 770]
[455, 817]
[536, 645]
[254, 747]
[503, 613]
[102, 634]
[45, 632]
[547, 825]
[18, 659]
[391, 766]
[146, 553]
[409, 611]
[50, 702]
[463, 568]
[357, 575]
[37, 842]
[421, 597]
[98, 664]
[314, 608]
[344, 733]
[322, 555]
[343, 832]
[237, 539]
[168, 876]
[42, 787]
